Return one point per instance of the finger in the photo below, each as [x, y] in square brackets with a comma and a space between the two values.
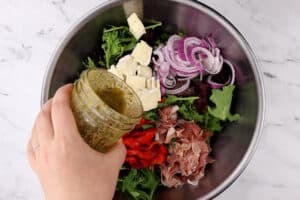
[43, 130]
[31, 156]
[116, 155]
[62, 116]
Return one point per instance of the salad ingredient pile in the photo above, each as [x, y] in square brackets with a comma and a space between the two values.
[134, 69]
[186, 89]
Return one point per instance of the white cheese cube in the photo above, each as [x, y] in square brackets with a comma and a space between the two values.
[127, 66]
[144, 71]
[152, 83]
[136, 27]
[148, 99]
[157, 94]
[114, 71]
[148, 83]
[136, 82]
[142, 53]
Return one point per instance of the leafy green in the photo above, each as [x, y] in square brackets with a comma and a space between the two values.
[188, 112]
[154, 25]
[89, 63]
[116, 42]
[171, 100]
[212, 123]
[222, 100]
[147, 126]
[139, 184]
[151, 115]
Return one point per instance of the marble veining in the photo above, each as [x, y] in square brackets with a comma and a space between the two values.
[30, 30]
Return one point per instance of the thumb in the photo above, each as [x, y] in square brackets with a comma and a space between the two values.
[116, 155]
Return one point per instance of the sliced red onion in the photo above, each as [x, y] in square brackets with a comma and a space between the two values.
[232, 70]
[182, 72]
[164, 68]
[158, 52]
[169, 82]
[179, 59]
[172, 42]
[179, 90]
[190, 42]
[181, 54]
[203, 64]
[211, 42]
[185, 59]
[191, 76]
[211, 64]
[230, 80]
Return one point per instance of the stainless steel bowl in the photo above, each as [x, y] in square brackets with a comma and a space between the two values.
[234, 147]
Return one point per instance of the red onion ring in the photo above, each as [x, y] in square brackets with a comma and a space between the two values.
[230, 80]
[179, 90]
[170, 82]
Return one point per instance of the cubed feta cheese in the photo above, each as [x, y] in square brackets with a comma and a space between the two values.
[127, 66]
[144, 71]
[114, 71]
[136, 27]
[136, 82]
[148, 99]
[142, 53]
[152, 83]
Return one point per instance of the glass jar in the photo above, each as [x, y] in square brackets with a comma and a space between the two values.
[105, 108]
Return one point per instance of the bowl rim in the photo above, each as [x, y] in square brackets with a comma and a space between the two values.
[75, 27]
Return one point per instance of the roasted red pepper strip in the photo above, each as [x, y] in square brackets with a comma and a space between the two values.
[144, 155]
[161, 156]
[131, 143]
[142, 151]
[141, 137]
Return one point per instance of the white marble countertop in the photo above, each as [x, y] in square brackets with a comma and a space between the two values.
[30, 30]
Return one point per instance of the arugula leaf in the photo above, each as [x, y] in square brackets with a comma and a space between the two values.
[154, 25]
[139, 184]
[222, 100]
[147, 126]
[171, 100]
[151, 115]
[116, 42]
[188, 112]
[151, 181]
[89, 63]
[212, 123]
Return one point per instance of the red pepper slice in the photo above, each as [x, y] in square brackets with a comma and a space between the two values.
[131, 143]
[142, 151]
[160, 157]
[144, 155]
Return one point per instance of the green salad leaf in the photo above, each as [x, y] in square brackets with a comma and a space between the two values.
[188, 112]
[154, 25]
[116, 42]
[212, 123]
[151, 115]
[147, 126]
[139, 184]
[222, 100]
[171, 100]
[89, 63]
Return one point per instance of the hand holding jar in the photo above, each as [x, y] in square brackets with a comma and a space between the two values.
[67, 167]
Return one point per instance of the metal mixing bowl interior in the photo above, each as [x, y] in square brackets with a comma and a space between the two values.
[235, 145]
